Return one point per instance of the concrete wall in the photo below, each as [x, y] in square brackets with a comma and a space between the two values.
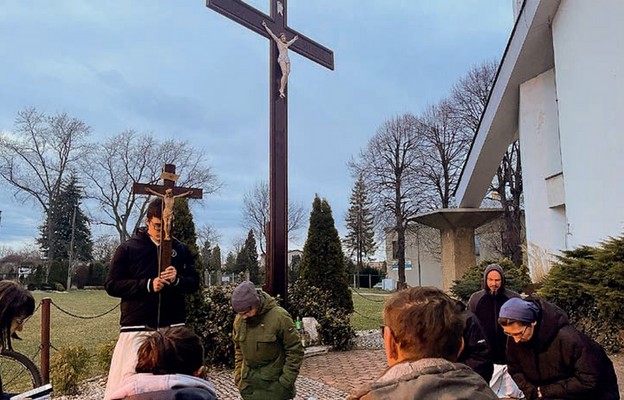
[542, 167]
[588, 40]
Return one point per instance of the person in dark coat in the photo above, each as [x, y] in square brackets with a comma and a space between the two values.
[549, 359]
[152, 297]
[476, 352]
[486, 305]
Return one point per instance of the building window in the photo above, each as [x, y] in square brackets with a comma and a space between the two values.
[477, 241]
[395, 250]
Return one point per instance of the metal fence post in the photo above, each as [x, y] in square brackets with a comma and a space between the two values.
[45, 339]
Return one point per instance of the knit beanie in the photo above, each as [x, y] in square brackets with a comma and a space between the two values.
[519, 310]
[245, 297]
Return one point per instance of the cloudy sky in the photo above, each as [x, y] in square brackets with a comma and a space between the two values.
[179, 70]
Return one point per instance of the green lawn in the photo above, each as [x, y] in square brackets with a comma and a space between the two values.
[368, 304]
[67, 330]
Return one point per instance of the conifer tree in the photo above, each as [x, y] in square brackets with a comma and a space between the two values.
[322, 263]
[360, 239]
[61, 217]
[184, 230]
[247, 259]
[215, 261]
[252, 258]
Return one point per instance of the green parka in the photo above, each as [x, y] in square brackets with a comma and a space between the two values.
[268, 353]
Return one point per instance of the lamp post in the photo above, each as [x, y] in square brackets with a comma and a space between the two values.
[71, 249]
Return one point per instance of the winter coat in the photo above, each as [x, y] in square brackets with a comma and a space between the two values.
[268, 353]
[164, 387]
[134, 265]
[476, 353]
[563, 362]
[427, 379]
[486, 307]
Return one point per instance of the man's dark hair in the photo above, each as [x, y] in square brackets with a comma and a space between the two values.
[154, 209]
[171, 351]
[425, 322]
[15, 302]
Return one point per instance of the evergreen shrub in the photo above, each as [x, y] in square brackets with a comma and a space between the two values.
[104, 354]
[308, 301]
[516, 278]
[588, 283]
[212, 319]
[68, 367]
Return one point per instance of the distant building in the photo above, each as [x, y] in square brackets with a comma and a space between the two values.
[423, 252]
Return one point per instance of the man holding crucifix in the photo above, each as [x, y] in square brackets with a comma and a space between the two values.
[152, 297]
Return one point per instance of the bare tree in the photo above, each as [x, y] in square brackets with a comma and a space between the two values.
[469, 98]
[390, 166]
[446, 145]
[35, 158]
[126, 158]
[104, 247]
[208, 234]
[470, 94]
[256, 214]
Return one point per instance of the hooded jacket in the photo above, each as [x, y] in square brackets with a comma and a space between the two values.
[134, 265]
[427, 379]
[268, 353]
[476, 352]
[563, 362]
[486, 306]
[154, 387]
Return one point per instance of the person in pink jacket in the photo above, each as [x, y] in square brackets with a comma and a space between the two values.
[170, 366]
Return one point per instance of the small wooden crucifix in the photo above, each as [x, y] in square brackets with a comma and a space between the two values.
[168, 192]
[270, 26]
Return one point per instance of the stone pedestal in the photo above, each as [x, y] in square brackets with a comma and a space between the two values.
[457, 226]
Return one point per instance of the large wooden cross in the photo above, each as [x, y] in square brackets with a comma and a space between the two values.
[167, 188]
[249, 17]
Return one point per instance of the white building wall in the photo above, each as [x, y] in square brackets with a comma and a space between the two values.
[588, 44]
[541, 168]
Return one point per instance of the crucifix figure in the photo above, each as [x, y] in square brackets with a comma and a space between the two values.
[283, 60]
[168, 192]
[249, 17]
[168, 202]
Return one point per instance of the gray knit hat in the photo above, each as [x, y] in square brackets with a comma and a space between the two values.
[245, 297]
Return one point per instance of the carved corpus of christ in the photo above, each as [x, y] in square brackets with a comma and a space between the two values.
[167, 213]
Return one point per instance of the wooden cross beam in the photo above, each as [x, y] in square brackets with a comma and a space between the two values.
[251, 18]
[168, 192]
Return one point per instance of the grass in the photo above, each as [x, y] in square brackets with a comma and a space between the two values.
[66, 330]
[368, 305]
